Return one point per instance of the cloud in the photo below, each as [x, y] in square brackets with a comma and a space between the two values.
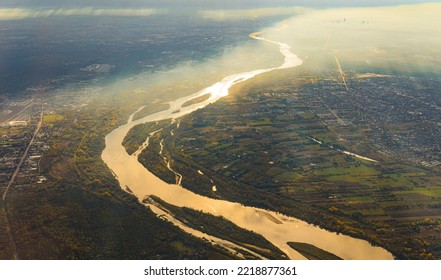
[224, 15]
[18, 13]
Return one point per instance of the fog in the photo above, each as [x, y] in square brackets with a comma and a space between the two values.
[21, 13]
[189, 77]
[399, 38]
[250, 14]
[404, 38]
[389, 39]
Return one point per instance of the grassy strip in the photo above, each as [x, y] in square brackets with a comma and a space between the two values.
[311, 252]
[197, 100]
[222, 228]
[138, 134]
[148, 110]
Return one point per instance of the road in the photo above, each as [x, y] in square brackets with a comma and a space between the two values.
[342, 74]
[11, 182]
[332, 112]
[15, 114]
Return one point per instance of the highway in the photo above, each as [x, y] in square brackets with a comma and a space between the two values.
[342, 74]
[11, 182]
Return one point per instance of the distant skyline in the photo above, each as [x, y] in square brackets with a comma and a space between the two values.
[214, 4]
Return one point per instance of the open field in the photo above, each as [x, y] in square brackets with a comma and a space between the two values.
[52, 118]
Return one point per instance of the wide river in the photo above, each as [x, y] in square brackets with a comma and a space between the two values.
[275, 227]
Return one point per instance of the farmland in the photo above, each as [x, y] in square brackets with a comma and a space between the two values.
[276, 145]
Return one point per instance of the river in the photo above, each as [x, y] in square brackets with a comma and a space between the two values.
[275, 227]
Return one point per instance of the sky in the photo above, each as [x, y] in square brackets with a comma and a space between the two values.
[218, 10]
[213, 4]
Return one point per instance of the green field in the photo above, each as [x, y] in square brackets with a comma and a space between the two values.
[52, 118]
